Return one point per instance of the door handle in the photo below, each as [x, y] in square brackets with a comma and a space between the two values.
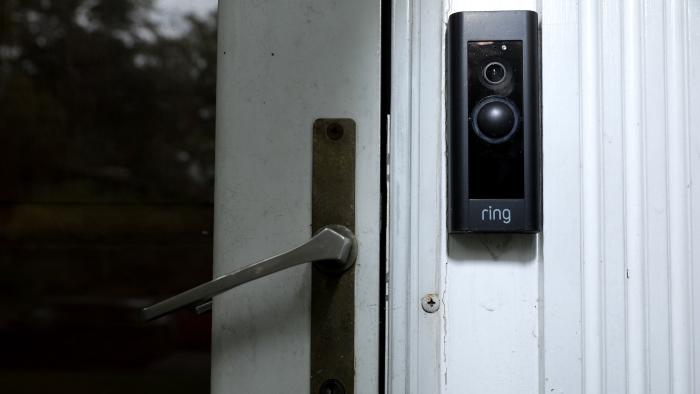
[333, 249]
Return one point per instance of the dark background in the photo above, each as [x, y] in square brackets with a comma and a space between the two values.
[106, 191]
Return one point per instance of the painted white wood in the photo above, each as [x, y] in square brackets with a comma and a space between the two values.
[282, 65]
[634, 199]
[491, 297]
[606, 300]
[416, 193]
[693, 82]
[677, 134]
[417, 172]
[656, 241]
[562, 345]
[591, 150]
[402, 335]
[637, 287]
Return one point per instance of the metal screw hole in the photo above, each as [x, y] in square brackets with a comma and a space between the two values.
[335, 131]
[331, 386]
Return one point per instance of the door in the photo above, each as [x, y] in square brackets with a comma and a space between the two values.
[282, 66]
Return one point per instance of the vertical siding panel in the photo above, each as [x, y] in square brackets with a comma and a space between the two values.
[621, 151]
[637, 305]
[613, 276]
[693, 64]
[634, 202]
[592, 297]
[656, 240]
[562, 342]
[678, 184]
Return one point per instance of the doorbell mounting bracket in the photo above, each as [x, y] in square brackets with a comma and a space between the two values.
[493, 122]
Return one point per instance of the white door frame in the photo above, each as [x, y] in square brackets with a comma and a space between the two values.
[606, 298]
[416, 209]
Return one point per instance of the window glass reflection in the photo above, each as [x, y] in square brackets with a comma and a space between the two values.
[106, 190]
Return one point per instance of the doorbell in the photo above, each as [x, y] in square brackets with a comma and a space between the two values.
[493, 122]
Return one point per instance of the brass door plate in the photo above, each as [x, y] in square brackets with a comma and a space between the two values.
[333, 295]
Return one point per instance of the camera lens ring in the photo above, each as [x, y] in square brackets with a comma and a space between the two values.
[496, 64]
[495, 99]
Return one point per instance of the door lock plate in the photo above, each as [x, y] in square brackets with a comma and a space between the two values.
[333, 295]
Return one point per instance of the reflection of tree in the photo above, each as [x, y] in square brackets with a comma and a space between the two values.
[97, 104]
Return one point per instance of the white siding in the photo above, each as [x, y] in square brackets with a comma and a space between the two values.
[634, 131]
[606, 299]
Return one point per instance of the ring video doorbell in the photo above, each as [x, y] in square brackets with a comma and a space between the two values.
[493, 122]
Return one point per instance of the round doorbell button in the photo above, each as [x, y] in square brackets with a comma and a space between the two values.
[495, 119]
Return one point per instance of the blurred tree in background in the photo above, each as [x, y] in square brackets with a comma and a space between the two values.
[96, 104]
[106, 191]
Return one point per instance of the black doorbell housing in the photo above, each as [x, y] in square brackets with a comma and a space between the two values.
[493, 122]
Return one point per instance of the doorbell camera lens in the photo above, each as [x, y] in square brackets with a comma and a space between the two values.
[495, 119]
[494, 73]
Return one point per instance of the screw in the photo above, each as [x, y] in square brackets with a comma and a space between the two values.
[430, 303]
[335, 131]
[331, 386]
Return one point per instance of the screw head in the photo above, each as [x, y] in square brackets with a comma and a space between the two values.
[430, 303]
[335, 131]
[332, 386]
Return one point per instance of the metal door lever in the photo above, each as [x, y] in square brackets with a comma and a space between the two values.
[333, 249]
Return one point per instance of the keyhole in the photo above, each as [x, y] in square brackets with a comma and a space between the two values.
[332, 386]
[335, 131]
